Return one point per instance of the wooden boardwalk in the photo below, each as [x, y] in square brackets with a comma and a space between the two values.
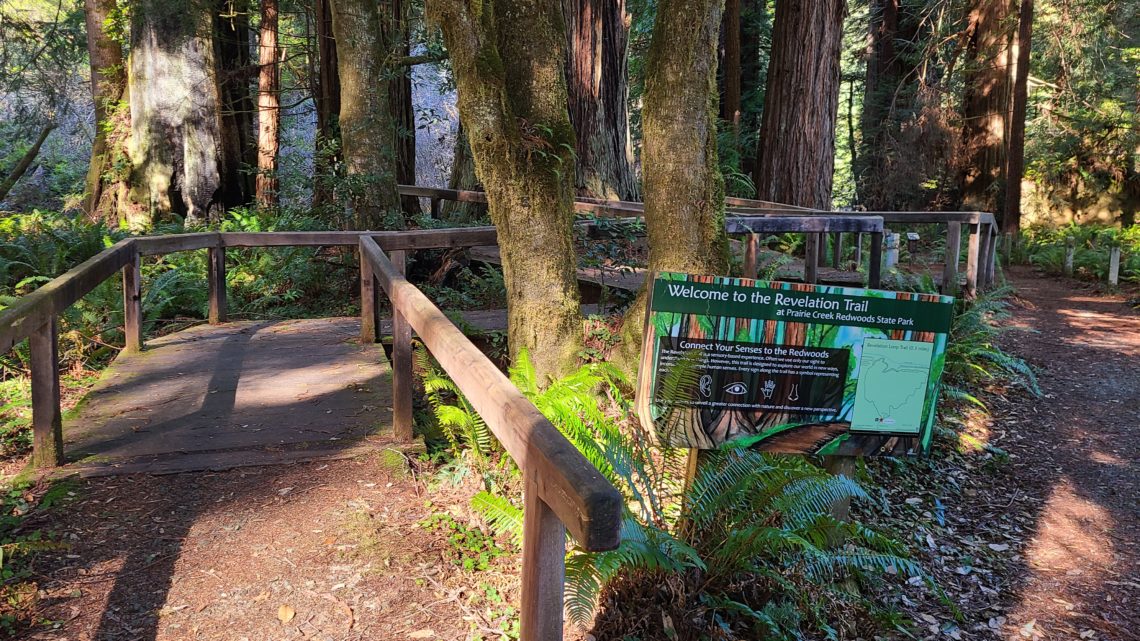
[235, 394]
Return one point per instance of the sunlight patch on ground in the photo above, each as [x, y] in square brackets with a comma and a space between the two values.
[1106, 458]
[1070, 554]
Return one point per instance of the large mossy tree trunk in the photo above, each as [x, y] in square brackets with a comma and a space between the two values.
[597, 34]
[509, 63]
[684, 189]
[108, 81]
[367, 129]
[796, 155]
[178, 149]
[985, 109]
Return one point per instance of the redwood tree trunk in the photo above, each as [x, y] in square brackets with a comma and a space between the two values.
[730, 110]
[177, 149]
[326, 97]
[233, 43]
[268, 106]
[986, 106]
[367, 129]
[596, 71]
[1015, 163]
[108, 80]
[796, 153]
[509, 62]
[394, 19]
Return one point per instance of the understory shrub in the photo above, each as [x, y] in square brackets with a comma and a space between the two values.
[1045, 248]
[749, 549]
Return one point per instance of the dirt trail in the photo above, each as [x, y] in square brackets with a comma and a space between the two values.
[1076, 459]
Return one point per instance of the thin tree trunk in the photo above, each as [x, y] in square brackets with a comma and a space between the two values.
[986, 106]
[797, 138]
[394, 20]
[327, 101]
[684, 189]
[25, 161]
[752, 21]
[730, 111]
[597, 83]
[880, 88]
[462, 177]
[509, 62]
[108, 80]
[1015, 162]
[233, 43]
[367, 129]
[268, 107]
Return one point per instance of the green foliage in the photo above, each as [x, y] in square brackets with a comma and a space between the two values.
[468, 548]
[973, 357]
[751, 539]
[1045, 248]
[19, 502]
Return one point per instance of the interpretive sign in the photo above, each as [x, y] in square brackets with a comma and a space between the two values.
[791, 367]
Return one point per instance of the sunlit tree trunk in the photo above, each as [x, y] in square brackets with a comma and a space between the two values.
[684, 189]
[268, 106]
[368, 133]
[597, 82]
[1015, 162]
[986, 106]
[797, 137]
[509, 62]
[177, 149]
[108, 81]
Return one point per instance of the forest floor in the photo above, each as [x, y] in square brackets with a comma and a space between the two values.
[1031, 525]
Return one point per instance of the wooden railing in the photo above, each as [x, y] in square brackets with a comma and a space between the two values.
[563, 492]
[981, 255]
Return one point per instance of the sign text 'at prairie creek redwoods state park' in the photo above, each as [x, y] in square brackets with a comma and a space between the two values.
[790, 367]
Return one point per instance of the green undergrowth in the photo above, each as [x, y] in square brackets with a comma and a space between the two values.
[20, 540]
[1045, 248]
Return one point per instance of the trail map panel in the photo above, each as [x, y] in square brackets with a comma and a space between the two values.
[790, 367]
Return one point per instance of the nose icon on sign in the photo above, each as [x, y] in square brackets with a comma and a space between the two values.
[795, 393]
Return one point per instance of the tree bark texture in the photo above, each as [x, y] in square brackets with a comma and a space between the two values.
[880, 89]
[326, 97]
[233, 45]
[510, 70]
[753, 19]
[367, 129]
[1015, 160]
[597, 34]
[730, 109]
[986, 106]
[796, 152]
[108, 81]
[268, 106]
[25, 161]
[684, 189]
[394, 21]
[463, 177]
[176, 147]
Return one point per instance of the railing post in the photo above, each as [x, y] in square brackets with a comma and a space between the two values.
[433, 206]
[217, 278]
[47, 421]
[990, 256]
[401, 365]
[953, 251]
[875, 266]
[811, 257]
[857, 259]
[1114, 266]
[837, 250]
[369, 325]
[132, 303]
[973, 261]
[751, 250]
[1070, 252]
[543, 569]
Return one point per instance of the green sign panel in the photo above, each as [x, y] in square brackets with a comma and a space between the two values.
[791, 367]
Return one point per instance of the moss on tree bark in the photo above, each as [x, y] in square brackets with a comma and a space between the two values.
[509, 58]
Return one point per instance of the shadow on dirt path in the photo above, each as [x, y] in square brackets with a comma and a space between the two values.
[1076, 454]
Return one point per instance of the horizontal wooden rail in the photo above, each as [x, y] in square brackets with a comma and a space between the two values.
[562, 490]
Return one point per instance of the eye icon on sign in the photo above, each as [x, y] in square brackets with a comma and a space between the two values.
[736, 388]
